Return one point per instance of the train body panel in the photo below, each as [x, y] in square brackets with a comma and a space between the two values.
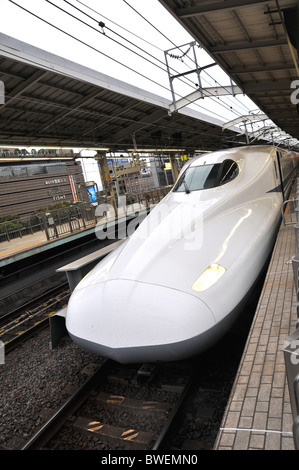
[131, 320]
[148, 300]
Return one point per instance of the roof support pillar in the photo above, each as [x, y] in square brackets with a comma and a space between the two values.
[175, 170]
[104, 171]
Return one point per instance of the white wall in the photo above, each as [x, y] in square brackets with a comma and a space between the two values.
[91, 171]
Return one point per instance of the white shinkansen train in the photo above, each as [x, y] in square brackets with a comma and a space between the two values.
[174, 287]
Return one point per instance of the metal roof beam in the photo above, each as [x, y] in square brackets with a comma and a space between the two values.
[215, 6]
[262, 68]
[24, 86]
[150, 120]
[265, 86]
[247, 45]
[65, 113]
[112, 118]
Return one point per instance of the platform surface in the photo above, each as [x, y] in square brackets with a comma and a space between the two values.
[258, 414]
[17, 246]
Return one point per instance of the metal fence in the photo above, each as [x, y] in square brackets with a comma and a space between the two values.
[68, 220]
[13, 229]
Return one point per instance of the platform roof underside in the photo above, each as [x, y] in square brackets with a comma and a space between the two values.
[255, 44]
[50, 101]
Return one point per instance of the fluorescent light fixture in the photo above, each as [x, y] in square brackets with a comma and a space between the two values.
[21, 146]
[209, 277]
[24, 146]
[28, 158]
[156, 150]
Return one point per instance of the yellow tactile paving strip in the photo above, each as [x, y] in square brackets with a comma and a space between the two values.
[28, 242]
[4, 253]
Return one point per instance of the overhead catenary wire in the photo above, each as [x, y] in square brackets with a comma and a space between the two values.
[106, 27]
[119, 26]
[86, 24]
[178, 47]
[88, 45]
[129, 31]
[101, 52]
[109, 29]
[185, 54]
[84, 43]
[103, 33]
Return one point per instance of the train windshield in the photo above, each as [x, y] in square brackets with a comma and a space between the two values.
[207, 176]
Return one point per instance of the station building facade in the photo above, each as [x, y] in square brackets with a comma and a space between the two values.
[28, 186]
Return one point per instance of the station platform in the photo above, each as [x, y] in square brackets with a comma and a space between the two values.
[258, 415]
[20, 245]
[28, 245]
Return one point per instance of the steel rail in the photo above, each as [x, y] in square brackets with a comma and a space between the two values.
[171, 426]
[54, 424]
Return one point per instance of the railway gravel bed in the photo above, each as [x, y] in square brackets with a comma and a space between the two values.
[35, 382]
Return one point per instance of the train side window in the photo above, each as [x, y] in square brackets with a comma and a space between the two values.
[207, 176]
[197, 178]
[229, 171]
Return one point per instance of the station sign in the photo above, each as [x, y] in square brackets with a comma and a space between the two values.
[117, 161]
[92, 193]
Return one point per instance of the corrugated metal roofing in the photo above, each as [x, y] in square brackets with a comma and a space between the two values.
[249, 40]
[50, 101]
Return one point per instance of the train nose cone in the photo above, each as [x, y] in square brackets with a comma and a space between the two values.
[130, 321]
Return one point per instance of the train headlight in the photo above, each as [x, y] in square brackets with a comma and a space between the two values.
[209, 277]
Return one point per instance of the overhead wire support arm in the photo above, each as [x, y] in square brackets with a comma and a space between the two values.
[200, 92]
[197, 69]
[171, 77]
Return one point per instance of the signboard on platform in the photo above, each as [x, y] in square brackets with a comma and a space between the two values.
[92, 193]
[117, 161]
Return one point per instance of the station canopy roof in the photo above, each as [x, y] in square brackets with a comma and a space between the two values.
[50, 101]
[256, 43]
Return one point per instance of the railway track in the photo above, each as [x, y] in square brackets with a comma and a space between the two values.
[21, 323]
[95, 417]
[25, 280]
[173, 406]
[119, 405]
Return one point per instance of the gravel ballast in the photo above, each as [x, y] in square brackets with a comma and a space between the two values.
[36, 381]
